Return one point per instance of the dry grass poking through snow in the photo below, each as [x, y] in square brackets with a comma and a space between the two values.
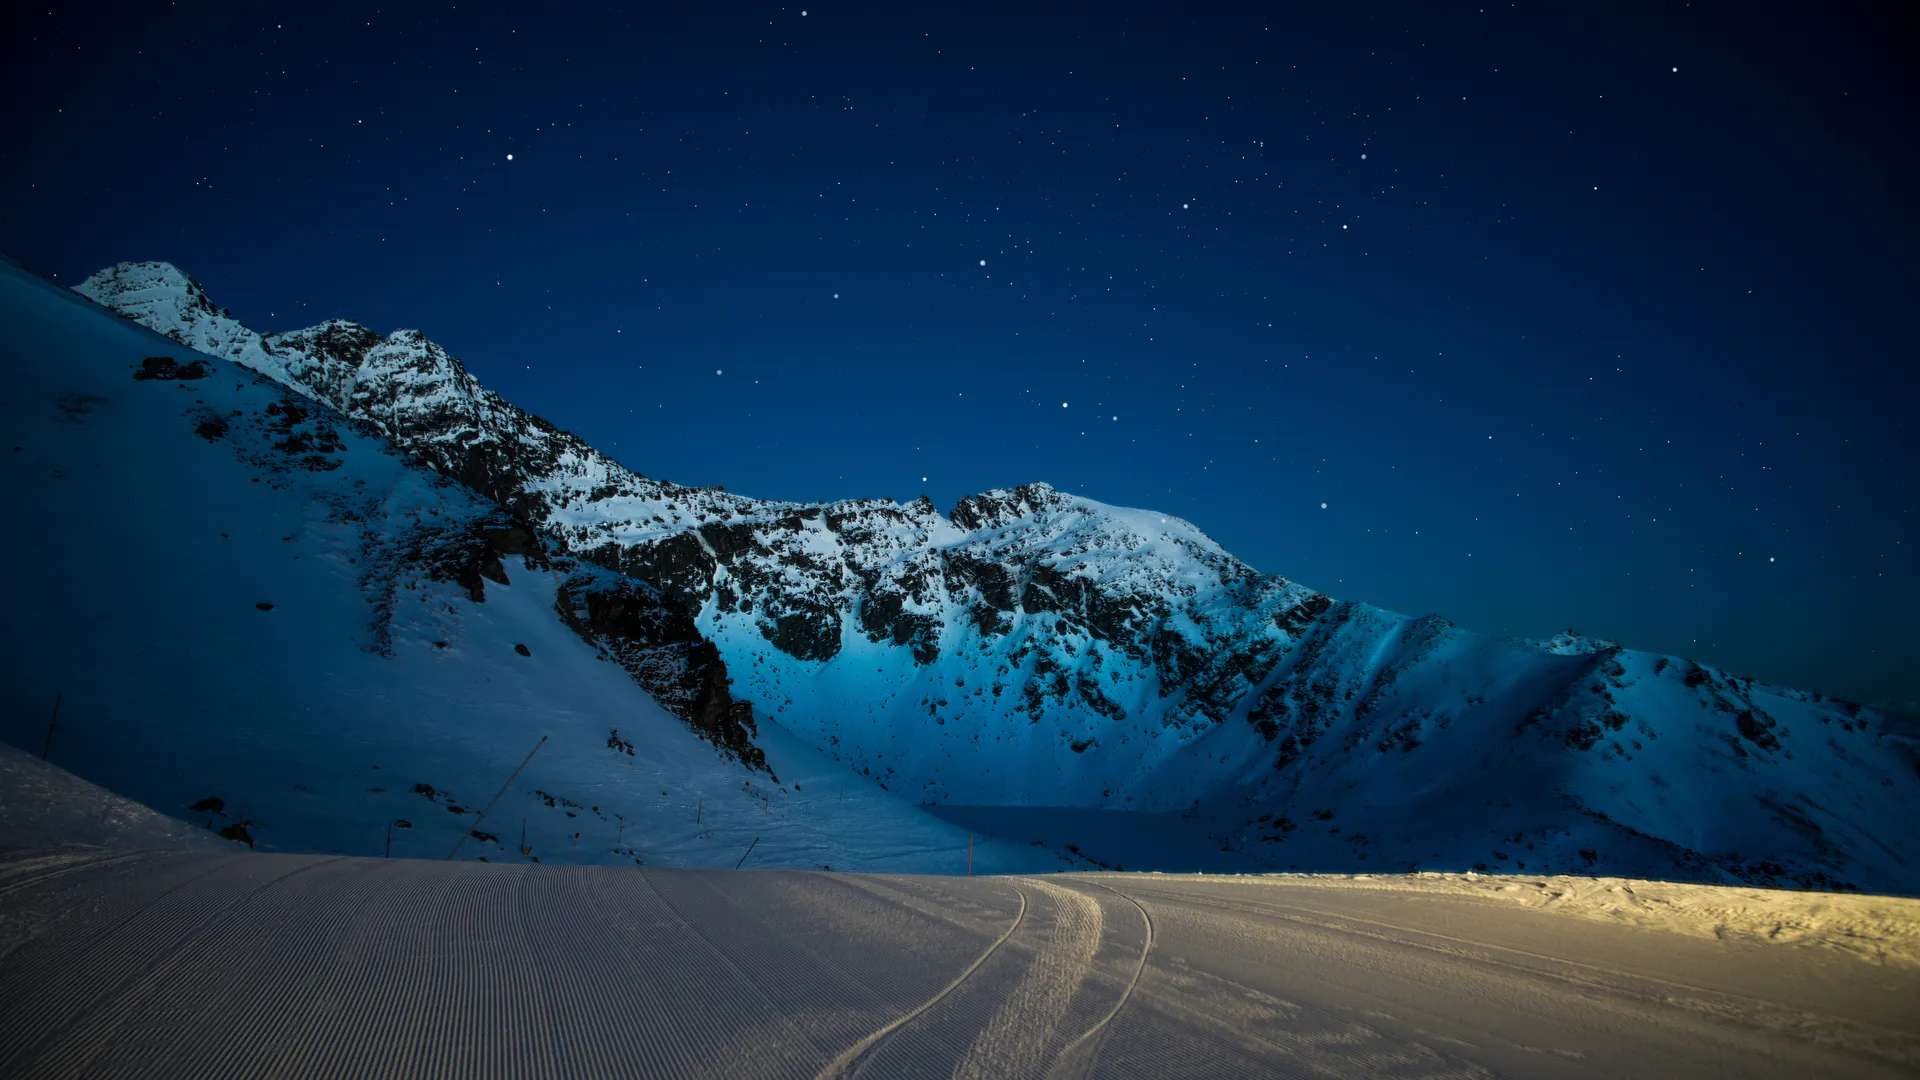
[1877, 929]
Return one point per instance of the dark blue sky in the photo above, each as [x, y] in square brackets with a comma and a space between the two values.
[1570, 319]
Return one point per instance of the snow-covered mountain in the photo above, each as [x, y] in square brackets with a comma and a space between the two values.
[259, 617]
[1033, 648]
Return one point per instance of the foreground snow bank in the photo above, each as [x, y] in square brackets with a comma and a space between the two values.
[45, 806]
[1878, 929]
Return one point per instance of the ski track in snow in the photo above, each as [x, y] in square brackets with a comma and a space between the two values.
[1016, 1038]
[850, 1060]
[1077, 1060]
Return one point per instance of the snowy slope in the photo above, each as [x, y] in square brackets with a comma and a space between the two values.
[44, 807]
[265, 621]
[1040, 649]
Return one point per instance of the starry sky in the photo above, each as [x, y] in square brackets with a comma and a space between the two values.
[1532, 316]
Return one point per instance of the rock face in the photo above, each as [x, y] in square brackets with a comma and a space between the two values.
[1034, 647]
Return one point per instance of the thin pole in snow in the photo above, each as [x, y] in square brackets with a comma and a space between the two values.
[744, 854]
[389, 853]
[50, 720]
[496, 798]
[969, 856]
[699, 805]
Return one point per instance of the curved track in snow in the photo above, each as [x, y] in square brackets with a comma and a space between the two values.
[850, 1059]
[192, 965]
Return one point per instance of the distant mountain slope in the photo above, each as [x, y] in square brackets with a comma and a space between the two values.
[264, 620]
[1037, 648]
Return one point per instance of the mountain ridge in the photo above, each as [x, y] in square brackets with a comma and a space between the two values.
[1037, 648]
[260, 615]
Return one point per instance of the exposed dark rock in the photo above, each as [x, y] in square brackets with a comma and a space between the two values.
[879, 612]
[994, 581]
[883, 618]
[679, 564]
[640, 626]
[1758, 728]
[730, 540]
[810, 633]
[515, 539]
[523, 650]
[168, 369]
[211, 428]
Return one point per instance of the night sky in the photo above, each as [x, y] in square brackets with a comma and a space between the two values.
[1569, 320]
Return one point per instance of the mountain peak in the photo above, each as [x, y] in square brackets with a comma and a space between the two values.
[1002, 506]
[1573, 643]
[158, 294]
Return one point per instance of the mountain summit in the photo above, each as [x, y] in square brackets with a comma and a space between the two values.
[1039, 649]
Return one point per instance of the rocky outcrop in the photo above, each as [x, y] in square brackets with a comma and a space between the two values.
[639, 626]
[166, 367]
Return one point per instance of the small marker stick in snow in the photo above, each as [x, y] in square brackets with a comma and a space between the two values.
[744, 854]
